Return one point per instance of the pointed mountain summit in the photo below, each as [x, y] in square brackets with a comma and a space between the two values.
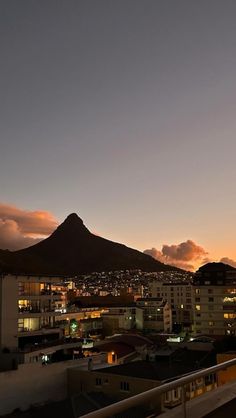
[73, 249]
[73, 224]
[72, 220]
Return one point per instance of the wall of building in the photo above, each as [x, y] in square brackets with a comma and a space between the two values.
[139, 318]
[178, 295]
[33, 383]
[9, 312]
[119, 318]
[87, 381]
[157, 314]
[213, 314]
[225, 376]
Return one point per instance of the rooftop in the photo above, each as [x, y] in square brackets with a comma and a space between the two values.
[120, 349]
[164, 369]
[134, 340]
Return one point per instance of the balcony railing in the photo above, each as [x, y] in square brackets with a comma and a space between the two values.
[42, 329]
[152, 394]
[32, 310]
[31, 293]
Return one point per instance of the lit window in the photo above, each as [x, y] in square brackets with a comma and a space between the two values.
[229, 315]
[229, 299]
[197, 307]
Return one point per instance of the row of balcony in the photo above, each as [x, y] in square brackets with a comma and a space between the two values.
[32, 310]
[41, 293]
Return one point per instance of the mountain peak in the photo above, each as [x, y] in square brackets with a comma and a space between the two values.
[73, 218]
[72, 225]
[73, 249]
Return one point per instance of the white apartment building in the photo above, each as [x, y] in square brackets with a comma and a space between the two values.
[153, 314]
[179, 295]
[215, 301]
[119, 318]
[28, 309]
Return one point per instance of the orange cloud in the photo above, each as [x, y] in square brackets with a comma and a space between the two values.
[183, 255]
[186, 251]
[20, 228]
[229, 261]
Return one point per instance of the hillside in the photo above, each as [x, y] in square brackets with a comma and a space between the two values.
[73, 249]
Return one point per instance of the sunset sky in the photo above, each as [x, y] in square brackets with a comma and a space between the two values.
[123, 111]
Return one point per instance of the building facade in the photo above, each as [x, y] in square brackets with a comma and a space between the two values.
[215, 300]
[28, 309]
[153, 314]
[119, 318]
[179, 295]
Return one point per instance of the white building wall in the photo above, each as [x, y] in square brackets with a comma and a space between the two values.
[34, 383]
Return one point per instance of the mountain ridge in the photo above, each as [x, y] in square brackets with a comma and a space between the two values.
[72, 249]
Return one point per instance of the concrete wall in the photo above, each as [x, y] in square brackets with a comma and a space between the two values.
[9, 312]
[34, 383]
[86, 381]
[226, 375]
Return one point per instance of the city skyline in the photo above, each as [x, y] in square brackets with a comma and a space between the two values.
[125, 114]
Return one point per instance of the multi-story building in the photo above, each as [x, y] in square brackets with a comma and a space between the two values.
[179, 296]
[153, 314]
[125, 380]
[119, 318]
[215, 300]
[28, 306]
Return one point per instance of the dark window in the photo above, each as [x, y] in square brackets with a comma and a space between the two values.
[98, 381]
[124, 386]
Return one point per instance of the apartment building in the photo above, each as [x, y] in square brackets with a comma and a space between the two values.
[119, 318]
[28, 309]
[129, 379]
[179, 296]
[215, 300]
[153, 314]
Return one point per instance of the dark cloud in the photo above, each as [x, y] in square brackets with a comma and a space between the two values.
[20, 228]
[183, 255]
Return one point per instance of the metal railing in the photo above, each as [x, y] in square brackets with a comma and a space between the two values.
[147, 396]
